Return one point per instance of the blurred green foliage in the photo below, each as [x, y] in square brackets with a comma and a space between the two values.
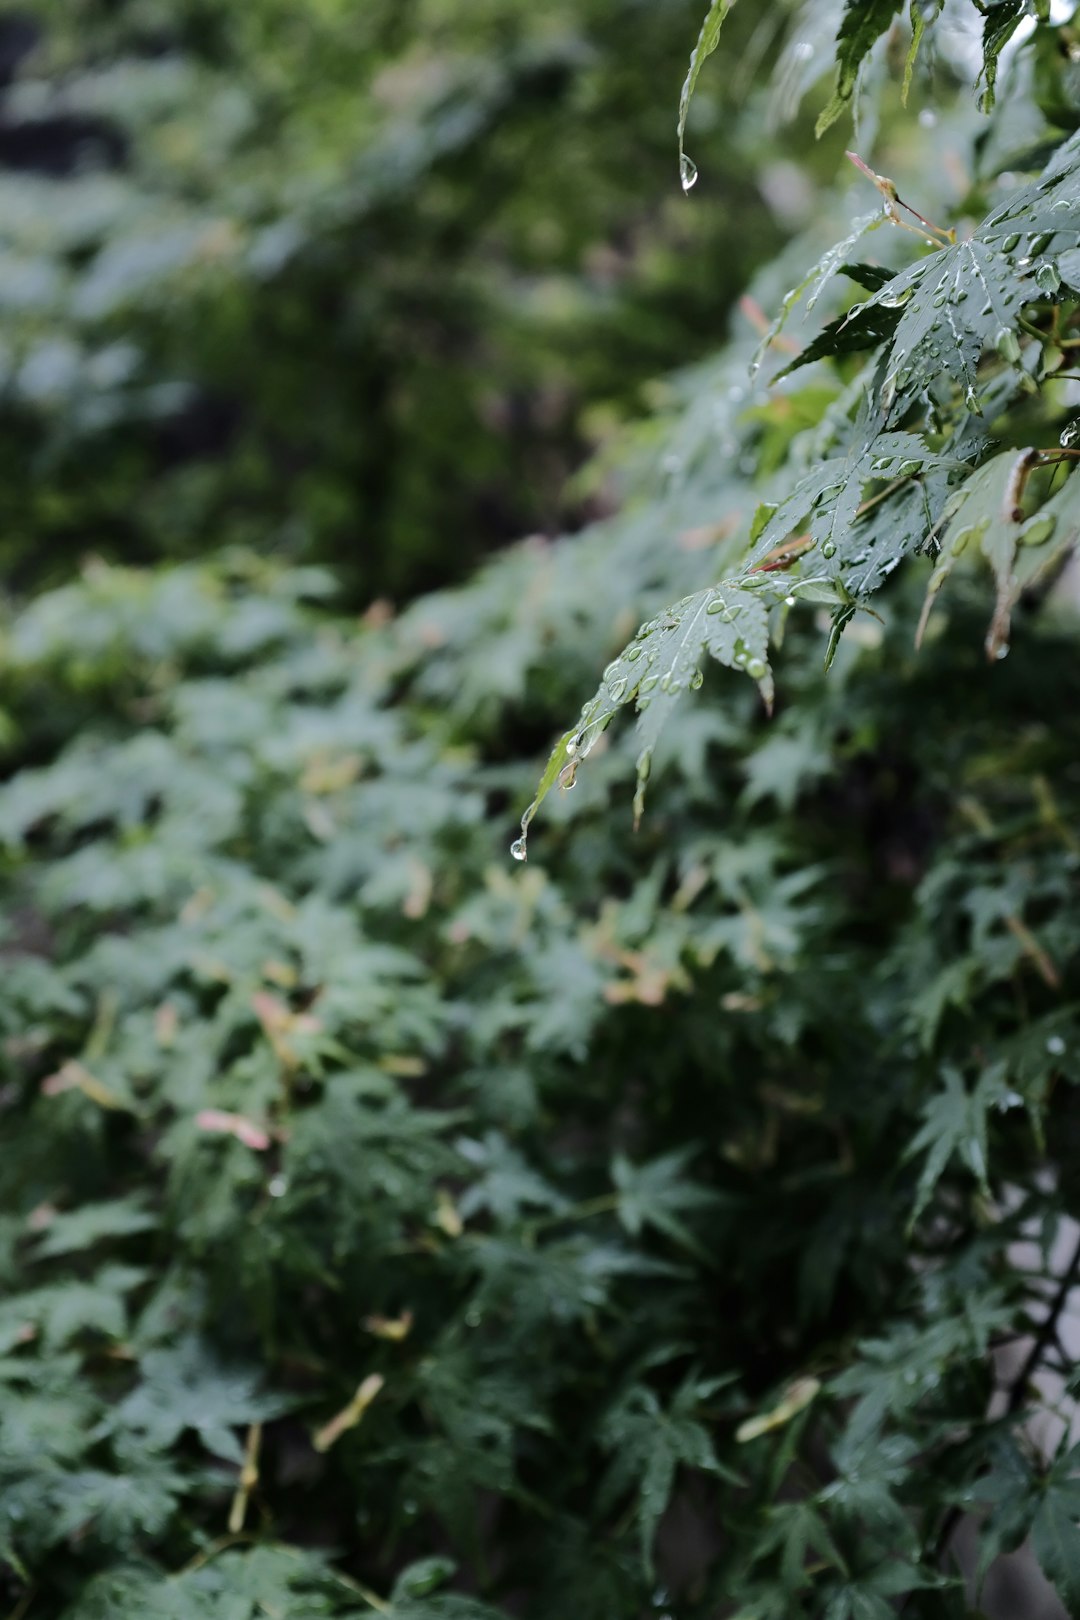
[351, 283]
[680, 1224]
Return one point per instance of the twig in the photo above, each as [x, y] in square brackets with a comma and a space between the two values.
[1044, 1339]
[249, 1478]
[1047, 1333]
[23, 1605]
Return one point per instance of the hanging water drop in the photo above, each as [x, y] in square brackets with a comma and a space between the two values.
[687, 172]
[1007, 345]
[756, 668]
[1055, 1046]
[519, 848]
[1046, 274]
[696, 680]
[1037, 530]
[828, 548]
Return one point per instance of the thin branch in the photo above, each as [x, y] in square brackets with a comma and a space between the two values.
[1045, 1338]
[1047, 1333]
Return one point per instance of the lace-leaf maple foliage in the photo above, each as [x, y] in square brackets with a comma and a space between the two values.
[957, 350]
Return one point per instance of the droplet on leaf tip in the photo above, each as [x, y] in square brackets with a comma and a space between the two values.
[687, 172]
[519, 849]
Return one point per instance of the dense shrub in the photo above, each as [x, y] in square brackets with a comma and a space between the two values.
[673, 1224]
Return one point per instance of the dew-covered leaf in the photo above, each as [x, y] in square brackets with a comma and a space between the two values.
[664, 660]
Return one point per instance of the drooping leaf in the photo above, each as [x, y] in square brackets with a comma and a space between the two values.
[863, 23]
[663, 661]
[708, 39]
[955, 1125]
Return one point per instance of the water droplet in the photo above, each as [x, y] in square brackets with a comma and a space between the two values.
[647, 684]
[828, 548]
[1007, 345]
[1046, 274]
[1011, 243]
[906, 468]
[1055, 1046]
[687, 172]
[1037, 530]
[696, 680]
[802, 51]
[1060, 205]
[1070, 433]
[519, 848]
[616, 690]
[928, 118]
[1002, 651]
[277, 1186]
[756, 668]
[717, 605]
[568, 776]
[789, 601]
[633, 654]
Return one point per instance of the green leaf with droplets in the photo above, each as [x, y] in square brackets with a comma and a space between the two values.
[964, 299]
[985, 510]
[953, 306]
[723, 622]
[846, 336]
[708, 40]
[827, 500]
[559, 760]
[816, 279]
